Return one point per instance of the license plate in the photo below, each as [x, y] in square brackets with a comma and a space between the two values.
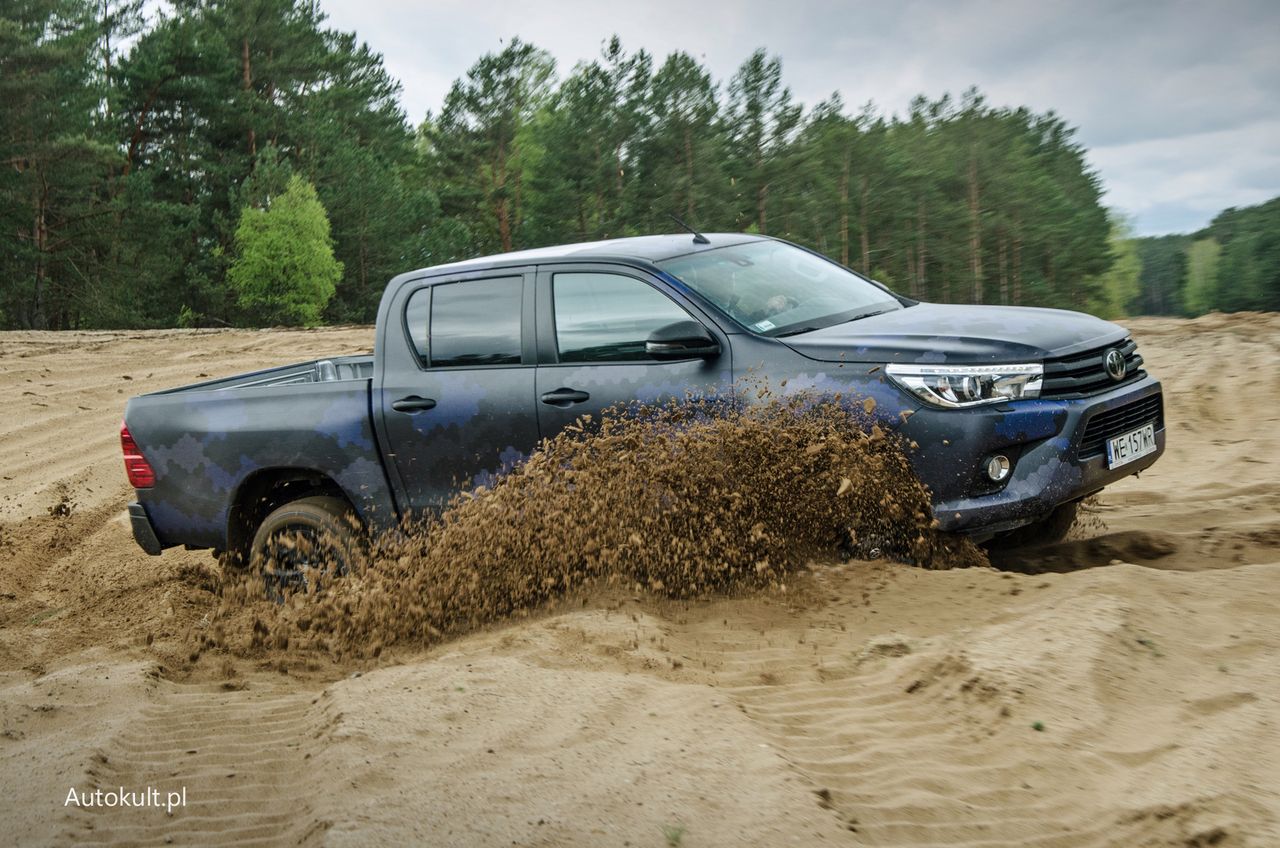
[1133, 445]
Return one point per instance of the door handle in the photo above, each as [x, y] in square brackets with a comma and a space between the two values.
[563, 397]
[413, 403]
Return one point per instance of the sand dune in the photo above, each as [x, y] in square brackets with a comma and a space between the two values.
[1120, 689]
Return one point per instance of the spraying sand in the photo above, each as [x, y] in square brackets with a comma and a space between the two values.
[695, 497]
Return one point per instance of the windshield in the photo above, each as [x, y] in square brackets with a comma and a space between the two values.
[777, 289]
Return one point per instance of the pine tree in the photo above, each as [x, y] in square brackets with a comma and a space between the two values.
[55, 165]
[761, 120]
[479, 142]
[680, 168]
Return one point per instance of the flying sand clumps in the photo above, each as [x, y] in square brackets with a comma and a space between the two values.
[692, 497]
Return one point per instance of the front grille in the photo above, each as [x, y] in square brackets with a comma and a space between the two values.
[1083, 374]
[1122, 419]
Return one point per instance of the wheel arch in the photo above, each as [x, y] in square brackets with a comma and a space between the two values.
[265, 490]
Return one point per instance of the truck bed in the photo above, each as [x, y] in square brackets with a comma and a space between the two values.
[208, 440]
[332, 370]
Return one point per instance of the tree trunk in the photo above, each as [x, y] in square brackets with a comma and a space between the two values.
[762, 196]
[504, 225]
[363, 285]
[688, 169]
[517, 222]
[621, 177]
[921, 253]
[270, 95]
[40, 237]
[501, 207]
[1017, 263]
[136, 137]
[246, 71]
[975, 227]
[598, 185]
[863, 224]
[1004, 267]
[844, 212]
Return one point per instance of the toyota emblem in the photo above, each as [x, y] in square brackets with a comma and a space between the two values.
[1115, 364]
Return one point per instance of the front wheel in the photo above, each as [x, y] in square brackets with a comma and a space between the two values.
[1048, 530]
[303, 543]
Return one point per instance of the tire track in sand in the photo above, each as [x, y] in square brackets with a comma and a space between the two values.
[241, 755]
[933, 740]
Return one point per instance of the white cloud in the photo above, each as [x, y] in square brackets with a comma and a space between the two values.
[1177, 184]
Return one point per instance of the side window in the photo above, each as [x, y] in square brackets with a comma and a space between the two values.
[476, 323]
[608, 317]
[417, 318]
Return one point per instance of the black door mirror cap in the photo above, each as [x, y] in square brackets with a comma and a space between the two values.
[682, 340]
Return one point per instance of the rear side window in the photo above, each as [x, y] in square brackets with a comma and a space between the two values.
[608, 317]
[476, 323]
[417, 318]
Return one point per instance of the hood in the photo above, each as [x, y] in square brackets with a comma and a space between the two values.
[941, 334]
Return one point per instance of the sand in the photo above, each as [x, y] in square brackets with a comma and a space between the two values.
[1119, 689]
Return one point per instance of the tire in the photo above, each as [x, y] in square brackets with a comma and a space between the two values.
[302, 543]
[1047, 531]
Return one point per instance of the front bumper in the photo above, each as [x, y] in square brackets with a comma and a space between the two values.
[143, 531]
[1044, 438]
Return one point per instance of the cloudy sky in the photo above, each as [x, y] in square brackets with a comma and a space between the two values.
[1178, 102]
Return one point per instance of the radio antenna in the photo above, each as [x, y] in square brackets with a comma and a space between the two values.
[698, 238]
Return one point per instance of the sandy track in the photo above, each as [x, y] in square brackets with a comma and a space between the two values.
[200, 740]
[871, 705]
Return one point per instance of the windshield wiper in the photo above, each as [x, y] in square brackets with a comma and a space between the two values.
[795, 332]
[810, 328]
[867, 315]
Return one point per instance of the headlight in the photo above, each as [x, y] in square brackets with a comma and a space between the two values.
[957, 386]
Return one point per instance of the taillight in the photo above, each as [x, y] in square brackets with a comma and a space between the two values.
[136, 467]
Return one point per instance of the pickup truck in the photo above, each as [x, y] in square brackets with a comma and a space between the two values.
[1014, 414]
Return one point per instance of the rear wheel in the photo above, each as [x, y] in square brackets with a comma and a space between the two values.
[300, 545]
[1052, 528]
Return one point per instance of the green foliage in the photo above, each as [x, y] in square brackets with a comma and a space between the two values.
[1164, 274]
[284, 271]
[580, 180]
[1248, 269]
[681, 152]
[1201, 292]
[1231, 265]
[761, 123]
[54, 162]
[133, 148]
[1115, 290]
[479, 146]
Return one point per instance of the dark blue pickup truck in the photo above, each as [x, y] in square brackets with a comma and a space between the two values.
[1016, 413]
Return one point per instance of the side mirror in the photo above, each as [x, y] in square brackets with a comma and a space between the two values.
[682, 340]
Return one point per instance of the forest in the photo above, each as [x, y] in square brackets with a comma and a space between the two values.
[239, 162]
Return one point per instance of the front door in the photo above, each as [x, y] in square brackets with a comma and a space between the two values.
[592, 325]
[458, 402]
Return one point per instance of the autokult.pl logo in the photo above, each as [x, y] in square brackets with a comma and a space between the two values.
[148, 798]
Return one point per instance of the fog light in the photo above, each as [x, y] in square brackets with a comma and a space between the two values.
[997, 467]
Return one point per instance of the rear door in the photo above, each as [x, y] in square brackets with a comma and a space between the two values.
[457, 391]
[593, 321]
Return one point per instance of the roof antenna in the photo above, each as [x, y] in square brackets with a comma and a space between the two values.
[698, 238]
